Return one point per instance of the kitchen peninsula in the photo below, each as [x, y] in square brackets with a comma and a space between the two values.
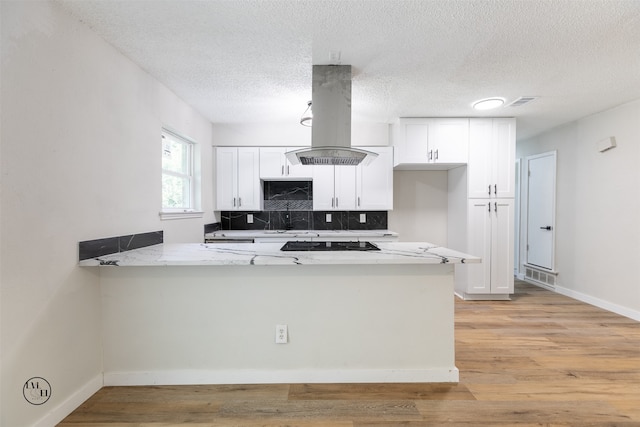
[207, 313]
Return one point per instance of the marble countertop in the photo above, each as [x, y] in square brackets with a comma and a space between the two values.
[190, 254]
[254, 234]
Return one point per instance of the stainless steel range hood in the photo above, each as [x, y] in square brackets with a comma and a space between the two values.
[331, 129]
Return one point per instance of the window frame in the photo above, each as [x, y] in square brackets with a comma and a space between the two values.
[190, 211]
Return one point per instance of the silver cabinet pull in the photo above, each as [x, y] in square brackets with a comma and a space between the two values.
[495, 206]
[239, 201]
[495, 189]
[430, 154]
[282, 170]
[436, 158]
[333, 202]
[288, 170]
[358, 201]
[489, 189]
[336, 202]
[234, 202]
[489, 204]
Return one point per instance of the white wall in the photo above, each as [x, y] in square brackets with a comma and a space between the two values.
[80, 159]
[420, 206]
[598, 207]
[292, 134]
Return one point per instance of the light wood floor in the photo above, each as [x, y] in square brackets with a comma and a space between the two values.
[539, 360]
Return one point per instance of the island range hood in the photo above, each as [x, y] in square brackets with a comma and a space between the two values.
[331, 129]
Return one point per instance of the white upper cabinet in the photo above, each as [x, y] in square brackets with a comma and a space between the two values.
[431, 143]
[491, 169]
[334, 188]
[374, 182]
[274, 165]
[238, 178]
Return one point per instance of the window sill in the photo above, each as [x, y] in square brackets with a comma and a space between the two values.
[165, 215]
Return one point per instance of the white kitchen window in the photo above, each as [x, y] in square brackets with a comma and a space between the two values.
[178, 181]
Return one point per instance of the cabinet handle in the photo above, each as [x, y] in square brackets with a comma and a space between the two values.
[239, 201]
[489, 189]
[333, 202]
[495, 207]
[358, 201]
[436, 158]
[234, 202]
[288, 170]
[336, 202]
[430, 154]
[489, 205]
[495, 189]
[282, 170]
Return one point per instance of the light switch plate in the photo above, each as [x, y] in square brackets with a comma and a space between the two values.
[327, 218]
[363, 218]
[249, 218]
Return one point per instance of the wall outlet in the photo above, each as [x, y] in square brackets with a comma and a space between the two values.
[249, 218]
[363, 218]
[282, 334]
[327, 218]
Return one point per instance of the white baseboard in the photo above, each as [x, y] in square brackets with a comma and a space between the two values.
[242, 376]
[58, 413]
[606, 305]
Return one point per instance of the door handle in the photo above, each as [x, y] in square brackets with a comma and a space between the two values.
[548, 227]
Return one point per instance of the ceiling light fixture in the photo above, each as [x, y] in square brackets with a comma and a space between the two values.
[488, 104]
[307, 116]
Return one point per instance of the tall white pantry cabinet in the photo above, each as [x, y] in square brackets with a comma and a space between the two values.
[481, 210]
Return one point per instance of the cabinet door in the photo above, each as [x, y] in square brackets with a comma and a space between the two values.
[374, 182]
[345, 188]
[413, 141]
[479, 169]
[272, 162]
[449, 140]
[323, 188]
[502, 229]
[226, 178]
[504, 156]
[249, 191]
[479, 275]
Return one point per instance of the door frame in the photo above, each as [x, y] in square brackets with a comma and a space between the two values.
[524, 229]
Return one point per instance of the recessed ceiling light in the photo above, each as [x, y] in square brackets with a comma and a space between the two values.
[488, 104]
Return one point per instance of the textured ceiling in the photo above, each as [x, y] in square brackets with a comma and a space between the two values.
[251, 60]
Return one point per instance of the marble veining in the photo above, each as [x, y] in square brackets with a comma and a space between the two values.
[94, 248]
[303, 220]
[224, 254]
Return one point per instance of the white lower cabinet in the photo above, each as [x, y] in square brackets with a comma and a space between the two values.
[238, 179]
[334, 188]
[490, 225]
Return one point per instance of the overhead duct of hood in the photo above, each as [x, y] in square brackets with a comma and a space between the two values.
[331, 129]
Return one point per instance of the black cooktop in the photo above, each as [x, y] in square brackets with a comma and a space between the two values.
[329, 246]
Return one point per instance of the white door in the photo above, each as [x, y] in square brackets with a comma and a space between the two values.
[323, 188]
[502, 229]
[249, 194]
[541, 196]
[479, 245]
[226, 178]
[345, 188]
[374, 182]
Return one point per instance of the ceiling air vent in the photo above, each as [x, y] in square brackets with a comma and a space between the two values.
[522, 100]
